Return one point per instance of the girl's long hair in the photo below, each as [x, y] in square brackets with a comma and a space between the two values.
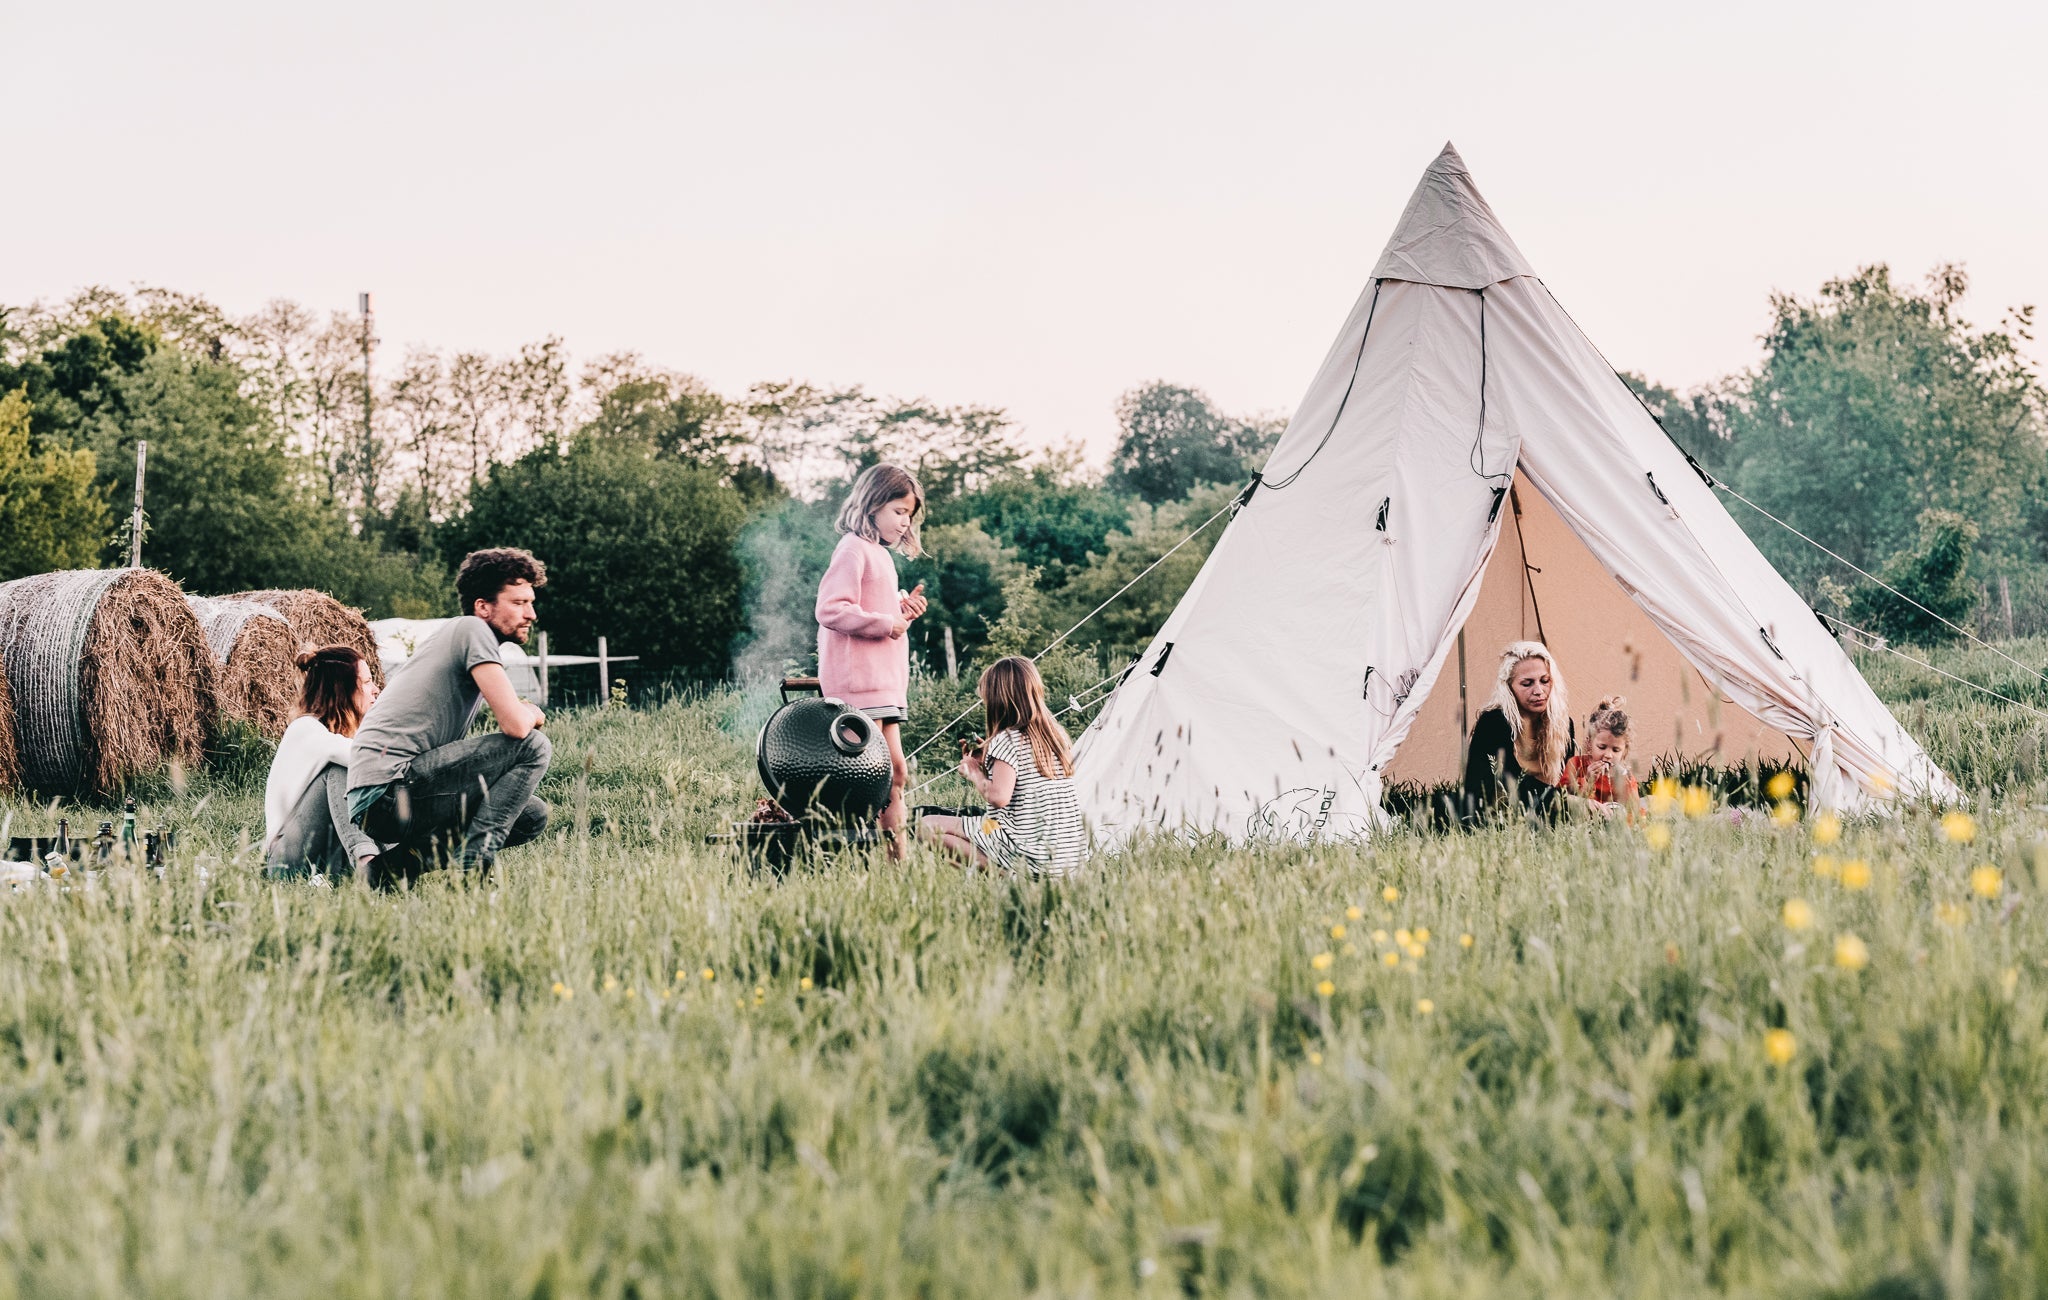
[1013, 696]
[876, 487]
[329, 691]
[1539, 742]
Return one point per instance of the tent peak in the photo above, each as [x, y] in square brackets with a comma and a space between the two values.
[1448, 235]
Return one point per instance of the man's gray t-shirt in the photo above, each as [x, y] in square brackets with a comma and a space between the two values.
[430, 702]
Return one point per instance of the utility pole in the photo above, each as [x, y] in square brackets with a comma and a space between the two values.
[142, 457]
[369, 452]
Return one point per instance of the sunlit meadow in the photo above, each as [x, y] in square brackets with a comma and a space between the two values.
[1719, 1052]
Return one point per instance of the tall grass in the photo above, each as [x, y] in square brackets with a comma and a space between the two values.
[628, 1066]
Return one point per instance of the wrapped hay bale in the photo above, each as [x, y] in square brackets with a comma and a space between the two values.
[255, 657]
[111, 677]
[318, 619]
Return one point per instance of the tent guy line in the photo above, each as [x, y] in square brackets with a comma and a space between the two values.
[1719, 486]
[1955, 627]
[1880, 643]
[1057, 641]
[1074, 704]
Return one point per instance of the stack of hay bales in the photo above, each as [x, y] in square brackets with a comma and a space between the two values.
[318, 619]
[255, 657]
[111, 677]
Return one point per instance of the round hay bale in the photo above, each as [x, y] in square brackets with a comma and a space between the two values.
[10, 757]
[111, 677]
[318, 619]
[256, 658]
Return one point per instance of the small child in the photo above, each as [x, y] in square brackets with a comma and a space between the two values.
[1600, 776]
[1024, 769]
[863, 655]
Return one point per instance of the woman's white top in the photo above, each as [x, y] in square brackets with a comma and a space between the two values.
[304, 752]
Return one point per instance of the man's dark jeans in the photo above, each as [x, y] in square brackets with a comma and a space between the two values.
[480, 788]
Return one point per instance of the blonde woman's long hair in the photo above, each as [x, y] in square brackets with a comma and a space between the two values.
[1540, 744]
[876, 487]
[1013, 697]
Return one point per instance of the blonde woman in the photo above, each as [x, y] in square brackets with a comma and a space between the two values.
[1523, 737]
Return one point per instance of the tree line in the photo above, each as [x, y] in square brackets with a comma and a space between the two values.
[691, 526]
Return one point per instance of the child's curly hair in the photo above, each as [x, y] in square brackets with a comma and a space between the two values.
[1610, 716]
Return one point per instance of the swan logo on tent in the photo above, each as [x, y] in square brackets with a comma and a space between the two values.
[1295, 814]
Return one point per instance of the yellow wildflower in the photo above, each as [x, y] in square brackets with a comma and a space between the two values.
[1390, 960]
[1657, 836]
[1354, 913]
[708, 973]
[1856, 874]
[2009, 979]
[1987, 882]
[1315, 1058]
[1423, 1006]
[1416, 951]
[1959, 826]
[561, 990]
[1827, 828]
[804, 984]
[1336, 932]
[1798, 914]
[1464, 941]
[1825, 866]
[1402, 938]
[1422, 935]
[1321, 961]
[1954, 915]
[1786, 813]
[1663, 794]
[1780, 786]
[1780, 1046]
[1390, 894]
[1850, 952]
[1696, 801]
[629, 990]
[1379, 936]
[681, 976]
[1325, 989]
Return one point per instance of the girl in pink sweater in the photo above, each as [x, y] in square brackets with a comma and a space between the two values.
[863, 655]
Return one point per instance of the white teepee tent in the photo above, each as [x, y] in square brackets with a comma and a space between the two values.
[1323, 648]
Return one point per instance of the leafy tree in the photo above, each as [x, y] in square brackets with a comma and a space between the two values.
[50, 515]
[77, 378]
[1698, 421]
[1174, 439]
[1127, 624]
[1876, 402]
[1048, 515]
[964, 571]
[639, 547]
[1933, 574]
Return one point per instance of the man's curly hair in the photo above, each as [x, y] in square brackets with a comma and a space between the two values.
[486, 573]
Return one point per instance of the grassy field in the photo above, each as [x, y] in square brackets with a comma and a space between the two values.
[1529, 1064]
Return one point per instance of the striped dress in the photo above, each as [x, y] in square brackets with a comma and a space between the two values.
[1040, 831]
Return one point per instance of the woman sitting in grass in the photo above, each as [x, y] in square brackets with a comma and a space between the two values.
[1024, 769]
[306, 826]
[1521, 740]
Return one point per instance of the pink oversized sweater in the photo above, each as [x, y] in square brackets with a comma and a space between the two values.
[858, 602]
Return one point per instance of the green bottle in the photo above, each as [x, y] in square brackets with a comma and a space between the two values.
[128, 828]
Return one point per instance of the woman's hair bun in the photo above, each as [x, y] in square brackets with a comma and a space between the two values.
[1611, 702]
[305, 658]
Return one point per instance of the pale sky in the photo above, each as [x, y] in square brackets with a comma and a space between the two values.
[1034, 206]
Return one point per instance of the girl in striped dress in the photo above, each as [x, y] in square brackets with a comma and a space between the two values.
[1024, 770]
